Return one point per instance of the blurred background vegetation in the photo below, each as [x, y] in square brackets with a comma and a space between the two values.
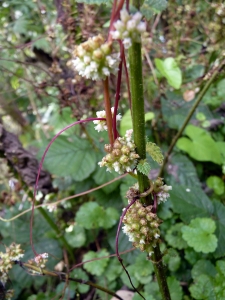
[40, 94]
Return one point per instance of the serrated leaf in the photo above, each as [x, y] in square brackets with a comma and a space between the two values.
[155, 152]
[190, 202]
[144, 167]
[76, 159]
[151, 7]
[199, 235]
[174, 237]
[174, 288]
[96, 267]
[203, 288]
[170, 70]
[200, 146]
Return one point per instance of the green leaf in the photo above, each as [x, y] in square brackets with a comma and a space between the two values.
[126, 123]
[113, 270]
[91, 215]
[200, 146]
[144, 167]
[203, 288]
[203, 266]
[219, 280]
[170, 70]
[172, 259]
[14, 81]
[125, 279]
[199, 235]
[175, 288]
[190, 202]
[76, 236]
[155, 152]
[96, 267]
[221, 88]
[75, 158]
[149, 116]
[174, 237]
[80, 274]
[143, 269]
[151, 7]
[216, 183]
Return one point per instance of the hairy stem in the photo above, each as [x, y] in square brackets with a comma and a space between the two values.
[190, 114]
[138, 117]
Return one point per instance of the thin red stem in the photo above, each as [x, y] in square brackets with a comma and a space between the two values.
[40, 168]
[108, 110]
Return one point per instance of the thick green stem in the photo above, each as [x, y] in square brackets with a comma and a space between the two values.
[138, 117]
[190, 114]
[138, 114]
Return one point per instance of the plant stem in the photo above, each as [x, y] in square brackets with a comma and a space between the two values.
[56, 229]
[108, 110]
[138, 117]
[64, 277]
[190, 114]
[137, 108]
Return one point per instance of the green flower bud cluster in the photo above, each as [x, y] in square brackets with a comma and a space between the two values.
[12, 253]
[93, 59]
[121, 156]
[142, 227]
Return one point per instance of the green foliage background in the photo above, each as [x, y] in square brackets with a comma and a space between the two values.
[40, 95]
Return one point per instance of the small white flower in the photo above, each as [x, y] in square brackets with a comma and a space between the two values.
[150, 253]
[142, 241]
[156, 235]
[127, 43]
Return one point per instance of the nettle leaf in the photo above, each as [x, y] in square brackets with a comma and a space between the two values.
[174, 237]
[199, 235]
[96, 267]
[151, 7]
[203, 266]
[70, 156]
[190, 202]
[174, 288]
[91, 215]
[155, 152]
[144, 167]
[200, 145]
[203, 288]
[216, 183]
[170, 70]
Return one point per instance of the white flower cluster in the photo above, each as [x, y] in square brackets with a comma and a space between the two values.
[121, 156]
[13, 253]
[129, 28]
[41, 259]
[163, 194]
[101, 125]
[93, 59]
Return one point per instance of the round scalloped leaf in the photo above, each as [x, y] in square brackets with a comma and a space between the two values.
[216, 183]
[143, 269]
[199, 235]
[76, 237]
[96, 267]
[203, 266]
[203, 288]
[175, 288]
[172, 259]
[174, 237]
